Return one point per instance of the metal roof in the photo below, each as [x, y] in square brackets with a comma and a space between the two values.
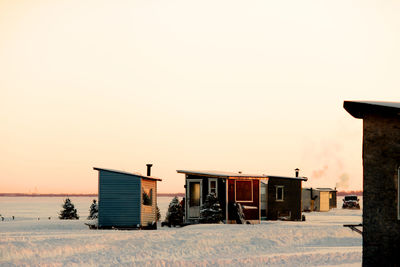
[223, 174]
[359, 109]
[326, 189]
[320, 189]
[127, 173]
[219, 173]
[286, 177]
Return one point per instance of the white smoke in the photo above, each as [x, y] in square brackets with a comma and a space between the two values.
[320, 172]
[343, 181]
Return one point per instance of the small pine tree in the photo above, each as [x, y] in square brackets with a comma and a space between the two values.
[158, 214]
[211, 211]
[175, 213]
[94, 210]
[68, 212]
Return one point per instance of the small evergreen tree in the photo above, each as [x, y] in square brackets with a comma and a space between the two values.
[94, 210]
[158, 213]
[211, 211]
[68, 212]
[175, 213]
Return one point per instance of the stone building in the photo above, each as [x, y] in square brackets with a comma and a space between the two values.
[381, 164]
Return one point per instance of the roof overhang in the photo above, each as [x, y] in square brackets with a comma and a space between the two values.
[232, 175]
[358, 109]
[220, 174]
[291, 178]
[326, 189]
[128, 173]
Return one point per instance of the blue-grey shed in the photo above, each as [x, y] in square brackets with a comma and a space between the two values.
[126, 200]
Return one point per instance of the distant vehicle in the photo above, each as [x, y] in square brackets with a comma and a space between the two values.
[351, 202]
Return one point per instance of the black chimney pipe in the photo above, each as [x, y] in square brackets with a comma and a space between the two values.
[149, 169]
[297, 172]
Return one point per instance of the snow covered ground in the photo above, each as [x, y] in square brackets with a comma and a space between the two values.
[319, 241]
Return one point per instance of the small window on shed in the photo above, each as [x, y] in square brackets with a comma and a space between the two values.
[213, 187]
[147, 197]
[244, 191]
[279, 193]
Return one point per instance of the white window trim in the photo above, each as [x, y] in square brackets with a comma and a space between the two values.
[276, 193]
[216, 186]
[251, 182]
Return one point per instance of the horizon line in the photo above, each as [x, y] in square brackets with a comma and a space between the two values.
[339, 193]
[70, 194]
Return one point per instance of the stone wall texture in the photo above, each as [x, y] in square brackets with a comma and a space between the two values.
[381, 160]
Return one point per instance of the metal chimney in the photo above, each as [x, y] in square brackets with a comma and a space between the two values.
[149, 169]
[297, 172]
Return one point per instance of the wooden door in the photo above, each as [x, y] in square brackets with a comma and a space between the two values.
[194, 198]
[324, 201]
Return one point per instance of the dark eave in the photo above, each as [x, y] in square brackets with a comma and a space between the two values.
[222, 174]
[285, 177]
[359, 109]
[326, 189]
[128, 173]
[219, 174]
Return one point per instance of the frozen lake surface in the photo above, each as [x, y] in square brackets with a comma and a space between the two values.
[28, 208]
[319, 241]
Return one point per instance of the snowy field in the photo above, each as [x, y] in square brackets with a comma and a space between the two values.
[319, 241]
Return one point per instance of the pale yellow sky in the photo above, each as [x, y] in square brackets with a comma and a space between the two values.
[252, 86]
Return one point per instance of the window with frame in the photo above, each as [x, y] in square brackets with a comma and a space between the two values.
[244, 190]
[213, 187]
[279, 193]
[147, 197]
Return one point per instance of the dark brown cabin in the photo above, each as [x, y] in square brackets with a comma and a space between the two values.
[284, 198]
[381, 179]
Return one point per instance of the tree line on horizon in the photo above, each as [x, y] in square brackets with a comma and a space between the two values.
[75, 195]
[350, 192]
[339, 193]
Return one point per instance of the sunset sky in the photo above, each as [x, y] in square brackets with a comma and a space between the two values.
[251, 86]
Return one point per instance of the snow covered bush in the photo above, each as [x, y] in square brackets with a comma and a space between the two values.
[68, 212]
[175, 213]
[94, 210]
[158, 213]
[211, 211]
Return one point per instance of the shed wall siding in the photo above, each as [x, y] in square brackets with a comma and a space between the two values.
[119, 200]
[291, 202]
[333, 200]
[317, 201]
[381, 159]
[252, 214]
[306, 199]
[221, 190]
[149, 213]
